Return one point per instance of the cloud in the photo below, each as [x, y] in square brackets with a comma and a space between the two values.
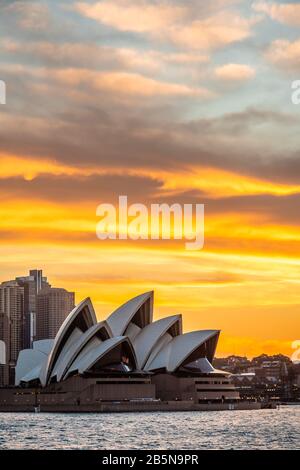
[149, 188]
[117, 83]
[114, 133]
[98, 57]
[235, 72]
[31, 15]
[124, 83]
[285, 54]
[78, 189]
[183, 25]
[214, 32]
[139, 16]
[288, 13]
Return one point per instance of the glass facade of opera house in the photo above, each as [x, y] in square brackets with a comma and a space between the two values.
[124, 360]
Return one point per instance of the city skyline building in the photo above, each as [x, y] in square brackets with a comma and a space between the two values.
[33, 284]
[11, 327]
[18, 316]
[52, 307]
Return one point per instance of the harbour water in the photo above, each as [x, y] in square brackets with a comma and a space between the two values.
[261, 429]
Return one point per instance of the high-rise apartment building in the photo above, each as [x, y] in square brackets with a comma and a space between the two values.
[11, 327]
[32, 285]
[52, 307]
[30, 309]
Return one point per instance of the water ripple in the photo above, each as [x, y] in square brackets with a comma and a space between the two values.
[260, 429]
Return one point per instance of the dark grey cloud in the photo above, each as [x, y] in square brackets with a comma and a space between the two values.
[74, 189]
[80, 125]
[95, 189]
[269, 209]
[112, 134]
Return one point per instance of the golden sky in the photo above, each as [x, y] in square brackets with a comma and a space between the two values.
[165, 102]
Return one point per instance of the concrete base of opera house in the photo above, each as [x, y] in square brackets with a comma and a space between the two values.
[125, 394]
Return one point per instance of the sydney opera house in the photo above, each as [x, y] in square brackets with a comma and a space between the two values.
[126, 362]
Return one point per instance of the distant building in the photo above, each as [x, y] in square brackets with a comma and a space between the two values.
[32, 284]
[265, 377]
[296, 376]
[11, 327]
[52, 307]
[18, 317]
[232, 364]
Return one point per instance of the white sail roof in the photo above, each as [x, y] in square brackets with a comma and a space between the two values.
[43, 345]
[82, 317]
[66, 358]
[81, 342]
[33, 374]
[28, 360]
[86, 361]
[68, 345]
[151, 334]
[179, 349]
[120, 319]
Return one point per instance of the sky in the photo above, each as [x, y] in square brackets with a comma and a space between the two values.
[164, 101]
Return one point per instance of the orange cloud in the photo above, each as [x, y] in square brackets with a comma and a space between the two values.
[29, 168]
[213, 182]
[174, 23]
[285, 54]
[217, 182]
[127, 83]
[133, 16]
[213, 32]
[288, 13]
[235, 72]
[93, 56]
[117, 82]
[229, 290]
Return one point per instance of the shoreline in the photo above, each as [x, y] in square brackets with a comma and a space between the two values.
[133, 407]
